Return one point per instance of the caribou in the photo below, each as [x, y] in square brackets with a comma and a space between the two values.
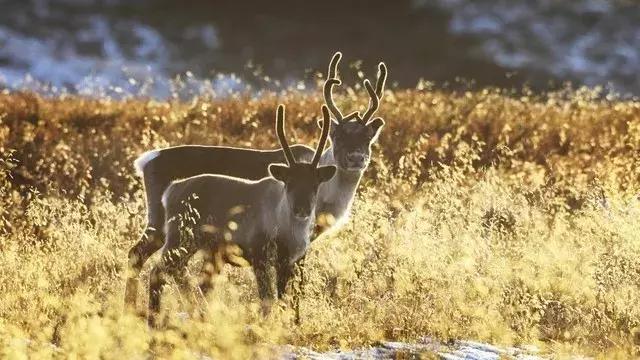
[351, 136]
[270, 220]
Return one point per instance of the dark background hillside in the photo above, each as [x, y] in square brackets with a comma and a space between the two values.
[89, 46]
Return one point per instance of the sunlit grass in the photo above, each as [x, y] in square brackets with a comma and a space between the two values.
[485, 215]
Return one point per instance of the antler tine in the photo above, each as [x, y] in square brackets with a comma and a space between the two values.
[373, 102]
[333, 65]
[326, 124]
[382, 79]
[282, 136]
[328, 98]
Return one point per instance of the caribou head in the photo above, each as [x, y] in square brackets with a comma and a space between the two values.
[353, 135]
[301, 180]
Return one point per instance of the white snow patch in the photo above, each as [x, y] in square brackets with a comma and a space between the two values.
[459, 350]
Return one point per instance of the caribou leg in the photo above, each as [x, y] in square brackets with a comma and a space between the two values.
[172, 264]
[150, 242]
[264, 267]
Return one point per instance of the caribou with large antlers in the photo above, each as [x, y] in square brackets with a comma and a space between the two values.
[270, 219]
[351, 139]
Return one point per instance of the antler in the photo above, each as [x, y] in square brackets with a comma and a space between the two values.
[332, 79]
[382, 79]
[328, 99]
[373, 102]
[282, 137]
[326, 124]
[375, 94]
[333, 65]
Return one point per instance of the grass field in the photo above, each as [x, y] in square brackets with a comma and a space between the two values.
[485, 215]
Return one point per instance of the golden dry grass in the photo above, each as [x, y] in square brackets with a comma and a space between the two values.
[485, 215]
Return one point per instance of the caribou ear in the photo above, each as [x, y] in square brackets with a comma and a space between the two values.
[279, 172]
[375, 126]
[325, 173]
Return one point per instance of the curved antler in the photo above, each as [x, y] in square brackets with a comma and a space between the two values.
[375, 95]
[282, 137]
[373, 102]
[326, 124]
[382, 79]
[328, 98]
[332, 79]
[332, 73]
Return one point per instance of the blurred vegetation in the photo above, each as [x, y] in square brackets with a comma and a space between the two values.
[490, 215]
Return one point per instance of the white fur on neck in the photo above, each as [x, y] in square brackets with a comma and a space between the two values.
[337, 194]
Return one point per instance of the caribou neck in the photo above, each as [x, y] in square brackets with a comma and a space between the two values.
[336, 195]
